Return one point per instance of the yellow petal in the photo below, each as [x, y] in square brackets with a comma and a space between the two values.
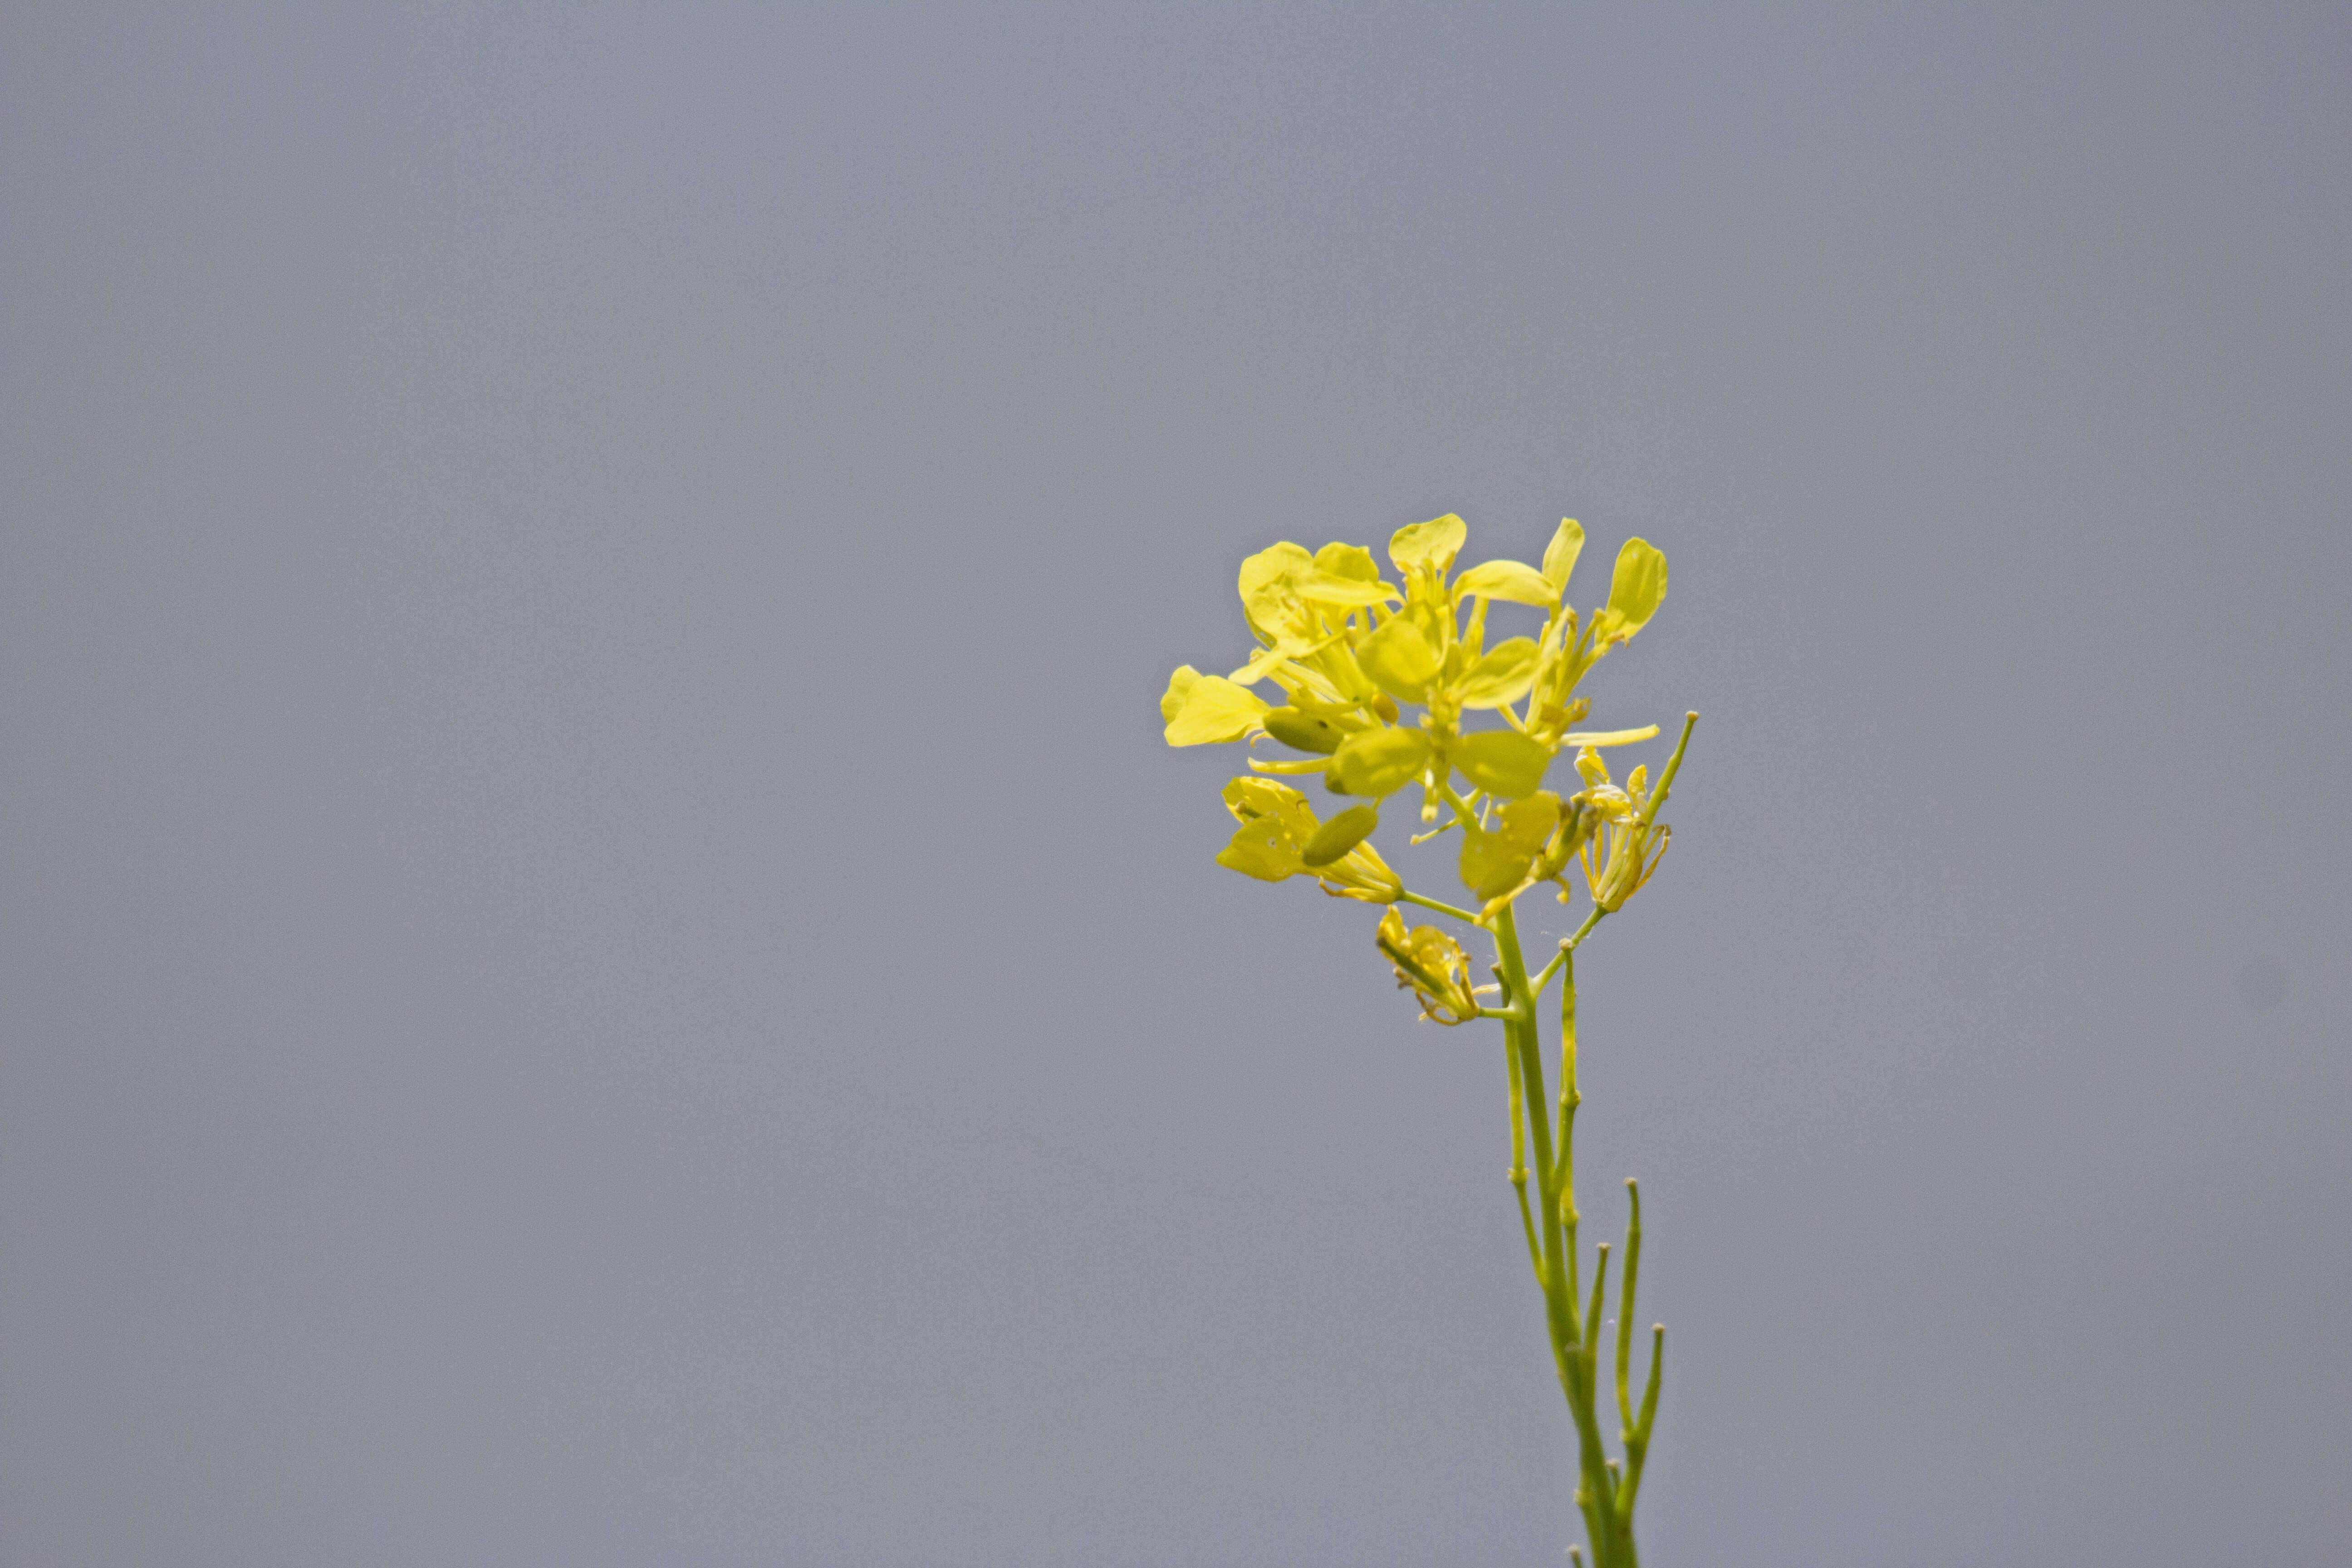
[1504, 763]
[1323, 588]
[1266, 586]
[1337, 560]
[1559, 556]
[1260, 848]
[1214, 709]
[1432, 545]
[1400, 659]
[1263, 663]
[1172, 702]
[1377, 762]
[1526, 824]
[1635, 592]
[1339, 834]
[1248, 797]
[1508, 580]
[1502, 675]
[1491, 865]
[1608, 737]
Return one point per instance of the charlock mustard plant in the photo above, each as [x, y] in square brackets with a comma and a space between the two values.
[1348, 650]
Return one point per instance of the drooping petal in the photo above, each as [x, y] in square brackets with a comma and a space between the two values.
[1214, 709]
[1510, 581]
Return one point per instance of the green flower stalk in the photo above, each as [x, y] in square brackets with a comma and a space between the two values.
[1350, 652]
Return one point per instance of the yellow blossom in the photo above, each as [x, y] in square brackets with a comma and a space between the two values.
[1349, 651]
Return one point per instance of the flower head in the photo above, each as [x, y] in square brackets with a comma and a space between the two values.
[1348, 650]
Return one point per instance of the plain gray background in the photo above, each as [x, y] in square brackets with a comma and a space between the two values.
[603, 963]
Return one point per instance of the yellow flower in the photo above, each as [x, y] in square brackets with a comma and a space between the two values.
[1349, 648]
[1279, 838]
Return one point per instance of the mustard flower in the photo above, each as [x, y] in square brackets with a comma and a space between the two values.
[1376, 684]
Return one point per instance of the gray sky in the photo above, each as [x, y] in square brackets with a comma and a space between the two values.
[601, 960]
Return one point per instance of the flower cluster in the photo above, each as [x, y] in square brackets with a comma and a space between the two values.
[1349, 649]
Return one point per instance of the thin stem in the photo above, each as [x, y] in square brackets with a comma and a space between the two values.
[1571, 1095]
[1412, 898]
[1519, 1158]
[1596, 1494]
[1527, 1224]
[1519, 1032]
[1673, 766]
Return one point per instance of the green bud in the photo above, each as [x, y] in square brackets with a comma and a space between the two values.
[1305, 732]
[1339, 834]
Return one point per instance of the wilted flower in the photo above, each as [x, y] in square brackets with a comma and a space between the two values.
[1432, 966]
[1625, 847]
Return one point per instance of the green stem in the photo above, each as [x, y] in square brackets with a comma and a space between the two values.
[1571, 1095]
[1412, 898]
[1574, 1335]
[1673, 766]
[1520, 1152]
